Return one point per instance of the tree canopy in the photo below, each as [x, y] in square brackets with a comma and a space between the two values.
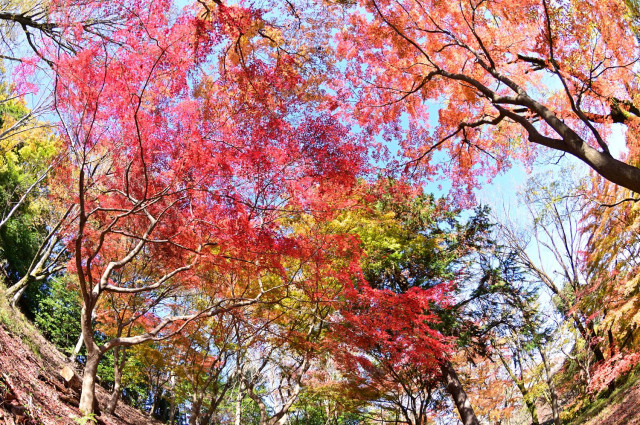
[223, 209]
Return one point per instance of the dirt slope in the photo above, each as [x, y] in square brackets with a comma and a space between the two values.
[31, 389]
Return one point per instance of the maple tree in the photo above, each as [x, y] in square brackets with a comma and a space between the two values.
[206, 354]
[399, 360]
[119, 317]
[284, 342]
[399, 327]
[181, 166]
[207, 193]
[274, 380]
[584, 226]
[492, 395]
[610, 262]
[486, 81]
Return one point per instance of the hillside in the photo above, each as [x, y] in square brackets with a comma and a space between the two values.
[31, 388]
[622, 406]
[624, 409]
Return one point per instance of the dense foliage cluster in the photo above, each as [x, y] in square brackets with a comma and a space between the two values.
[221, 210]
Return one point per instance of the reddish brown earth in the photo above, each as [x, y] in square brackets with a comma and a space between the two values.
[32, 390]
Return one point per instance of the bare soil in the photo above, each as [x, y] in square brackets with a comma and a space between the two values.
[32, 392]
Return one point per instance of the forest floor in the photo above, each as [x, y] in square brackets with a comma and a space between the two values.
[32, 391]
[621, 407]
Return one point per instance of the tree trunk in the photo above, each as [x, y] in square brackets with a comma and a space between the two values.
[88, 395]
[156, 396]
[533, 410]
[284, 419]
[327, 411]
[195, 412]
[81, 340]
[530, 403]
[264, 418]
[588, 336]
[555, 408]
[14, 293]
[239, 398]
[263, 410]
[172, 412]
[206, 419]
[118, 364]
[612, 343]
[454, 387]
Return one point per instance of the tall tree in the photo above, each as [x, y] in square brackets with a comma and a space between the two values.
[523, 327]
[554, 203]
[185, 166]
[28, 152]
[610, 261]
[400, 315]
